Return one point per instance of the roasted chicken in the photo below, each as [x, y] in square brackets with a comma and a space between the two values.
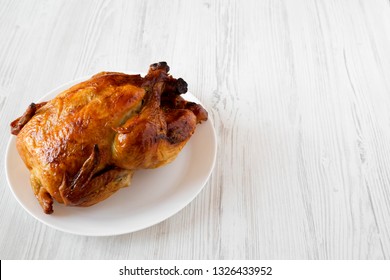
[86, 143]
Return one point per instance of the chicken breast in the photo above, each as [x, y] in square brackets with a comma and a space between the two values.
[86, 143]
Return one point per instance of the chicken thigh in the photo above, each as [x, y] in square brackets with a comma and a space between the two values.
[86, 143]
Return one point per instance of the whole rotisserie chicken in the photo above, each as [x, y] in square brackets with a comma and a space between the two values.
[86, 143]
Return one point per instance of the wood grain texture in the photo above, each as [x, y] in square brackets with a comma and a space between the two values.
[299, 92]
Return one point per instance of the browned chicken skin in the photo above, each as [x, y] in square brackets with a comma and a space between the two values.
[86, 143]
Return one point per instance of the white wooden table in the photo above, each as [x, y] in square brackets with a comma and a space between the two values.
[300, 96]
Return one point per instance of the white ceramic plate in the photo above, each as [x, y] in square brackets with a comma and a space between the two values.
[153, 196]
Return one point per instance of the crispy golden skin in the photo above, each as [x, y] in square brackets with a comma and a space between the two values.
[86, 143]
